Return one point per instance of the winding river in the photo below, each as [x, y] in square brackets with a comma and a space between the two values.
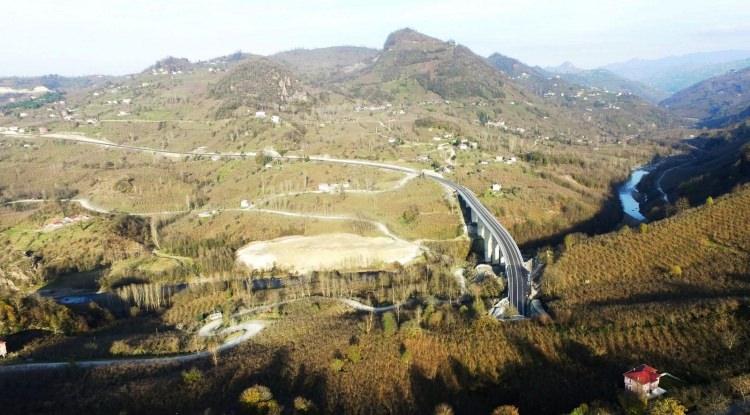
[628, 192]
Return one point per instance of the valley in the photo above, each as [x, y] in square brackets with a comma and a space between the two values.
[357, 230]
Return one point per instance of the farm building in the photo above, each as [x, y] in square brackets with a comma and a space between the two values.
[643, 380]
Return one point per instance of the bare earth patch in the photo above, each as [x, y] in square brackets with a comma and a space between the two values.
[328, 251]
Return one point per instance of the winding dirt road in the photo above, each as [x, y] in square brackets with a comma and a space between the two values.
[249, 329]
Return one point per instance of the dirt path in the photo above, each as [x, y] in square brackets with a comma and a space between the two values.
[249, 329]
[400, 184]
[381, 226]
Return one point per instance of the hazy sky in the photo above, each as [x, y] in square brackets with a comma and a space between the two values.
[72, 37]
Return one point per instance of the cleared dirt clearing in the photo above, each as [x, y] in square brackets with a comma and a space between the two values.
[328, 251]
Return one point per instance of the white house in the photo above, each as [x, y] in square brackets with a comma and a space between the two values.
[644, 381]
[275, 119]
[245, 204]
[208, 213]
[324, 187]
[260, 114]
[3, 349]
[496, 187]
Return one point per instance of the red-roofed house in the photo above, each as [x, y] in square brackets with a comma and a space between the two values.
[643, 380]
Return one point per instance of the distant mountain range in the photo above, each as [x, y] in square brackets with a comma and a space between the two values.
[714, 102]
[674, 73]
[411, 70]
[607, 80]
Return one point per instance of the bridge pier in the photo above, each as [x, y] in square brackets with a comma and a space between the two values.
[489, 249]
[496, 254]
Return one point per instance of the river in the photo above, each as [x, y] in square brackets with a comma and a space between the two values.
[628, 192]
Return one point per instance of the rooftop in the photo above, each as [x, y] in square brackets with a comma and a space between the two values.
[643, 374]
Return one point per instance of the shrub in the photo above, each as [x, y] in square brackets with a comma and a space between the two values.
[666, 406]
[406, 357]
[119, 347]
[353, 353]
[568, 241]
[389, 324]
[675, 271]
[581, 409]
[262, 158]
[258, 400]
[443, 409]
[304, 406]
[192, 377]
[337, 365]
[410, 215]
[506, 410]
[478, 307]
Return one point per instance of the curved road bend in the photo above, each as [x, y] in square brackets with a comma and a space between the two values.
[518, 285]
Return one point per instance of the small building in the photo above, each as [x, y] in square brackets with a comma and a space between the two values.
[260, 114]
[208, 213]
[245, 204]
[275, 119]
[643, 380]
[3, 349]
[496, 187]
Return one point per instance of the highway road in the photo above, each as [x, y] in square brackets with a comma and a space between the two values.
[518, 284]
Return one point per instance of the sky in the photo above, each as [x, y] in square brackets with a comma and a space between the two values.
[75, 37]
